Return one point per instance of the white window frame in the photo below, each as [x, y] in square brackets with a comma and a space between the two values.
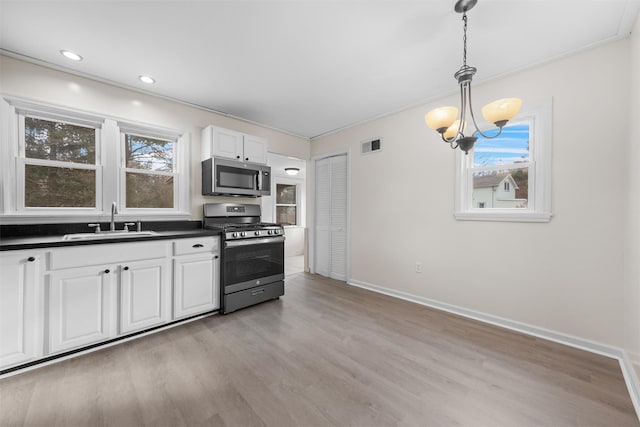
[179, 164]
[297, 205]
[539, 114]
[109, 152]
[23, 161]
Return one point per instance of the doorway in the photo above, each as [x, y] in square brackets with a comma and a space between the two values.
[286, 206]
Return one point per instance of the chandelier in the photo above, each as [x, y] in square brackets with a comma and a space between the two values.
[445, 121]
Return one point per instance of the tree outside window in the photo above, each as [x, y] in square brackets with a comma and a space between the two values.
[74, 164]
[59, 164]
[149, 172]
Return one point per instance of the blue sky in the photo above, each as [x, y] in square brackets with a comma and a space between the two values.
[510, 147]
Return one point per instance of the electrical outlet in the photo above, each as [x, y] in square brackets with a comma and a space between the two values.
[418, 267]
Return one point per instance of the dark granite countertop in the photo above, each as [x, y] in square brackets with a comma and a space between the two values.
[18, 237]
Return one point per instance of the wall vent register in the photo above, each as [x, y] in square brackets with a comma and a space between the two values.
[371, 146]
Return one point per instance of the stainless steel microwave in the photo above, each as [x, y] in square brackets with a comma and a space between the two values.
[224, 177]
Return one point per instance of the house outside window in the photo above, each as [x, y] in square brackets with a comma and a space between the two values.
[508, 178]
[286, 204]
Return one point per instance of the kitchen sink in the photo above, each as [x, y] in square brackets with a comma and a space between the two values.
[108, 235]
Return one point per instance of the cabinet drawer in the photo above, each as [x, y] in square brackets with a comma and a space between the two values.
[85, 255]
[195, 245]
[252, 296]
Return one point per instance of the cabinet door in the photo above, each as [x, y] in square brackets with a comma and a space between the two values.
[255, 149]
[144, 295]
[21, 324]
[196, 285]
[227, 143]
[81, 307]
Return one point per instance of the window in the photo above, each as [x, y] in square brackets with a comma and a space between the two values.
[148, 172]
[508, 178]
[65, 165]
[286, 204]
[58, 163]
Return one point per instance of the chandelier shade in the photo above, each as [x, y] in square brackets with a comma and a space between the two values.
[441, 118]
[453, 129]
[445, 121]
[501, 110]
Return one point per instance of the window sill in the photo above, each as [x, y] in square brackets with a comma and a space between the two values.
[504, 216]
[98, 217]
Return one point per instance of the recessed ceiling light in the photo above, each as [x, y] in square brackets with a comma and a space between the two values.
[71, 55]
[146, 79]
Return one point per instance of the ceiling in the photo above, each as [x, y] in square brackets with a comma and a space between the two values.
[307, 67]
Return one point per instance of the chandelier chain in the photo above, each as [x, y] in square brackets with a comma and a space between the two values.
[464, 41]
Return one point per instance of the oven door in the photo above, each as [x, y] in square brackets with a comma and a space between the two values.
[252, 262]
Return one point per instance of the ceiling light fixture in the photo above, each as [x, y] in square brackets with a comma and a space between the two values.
[292, 171]
[146, 79]
[71, 55]
[444, 119]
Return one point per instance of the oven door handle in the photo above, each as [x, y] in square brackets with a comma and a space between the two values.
[249, 242]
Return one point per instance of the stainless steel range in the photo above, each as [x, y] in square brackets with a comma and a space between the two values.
[252, 255]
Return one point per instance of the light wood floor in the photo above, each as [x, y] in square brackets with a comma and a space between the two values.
[325, 354]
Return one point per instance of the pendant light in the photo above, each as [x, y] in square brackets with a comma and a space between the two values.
[445, 121]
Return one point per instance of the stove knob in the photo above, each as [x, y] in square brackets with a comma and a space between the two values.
[243, 234]
[270, 232]
[276, 231]
[234, 235]
[257, 233]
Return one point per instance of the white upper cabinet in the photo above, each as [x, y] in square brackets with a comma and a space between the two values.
[255, 149]
[224, 142]
[234, 145]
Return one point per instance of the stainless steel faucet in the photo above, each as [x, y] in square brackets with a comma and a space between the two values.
[114, 211]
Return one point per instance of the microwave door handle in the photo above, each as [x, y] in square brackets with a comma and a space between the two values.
[259, 179]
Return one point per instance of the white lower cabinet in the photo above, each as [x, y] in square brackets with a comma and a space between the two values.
[64, 298]
[21, 307]
[145, 294]
[81, 307]
[195, 285]
[196, 276]
[125, 290]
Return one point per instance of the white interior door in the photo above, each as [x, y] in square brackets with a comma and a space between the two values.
[331, 217]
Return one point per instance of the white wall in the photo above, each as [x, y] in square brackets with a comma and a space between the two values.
[632, 247]
[23, 79]
[565, 275]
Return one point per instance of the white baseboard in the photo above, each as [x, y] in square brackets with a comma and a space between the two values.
[635, 359]
[626, 360]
